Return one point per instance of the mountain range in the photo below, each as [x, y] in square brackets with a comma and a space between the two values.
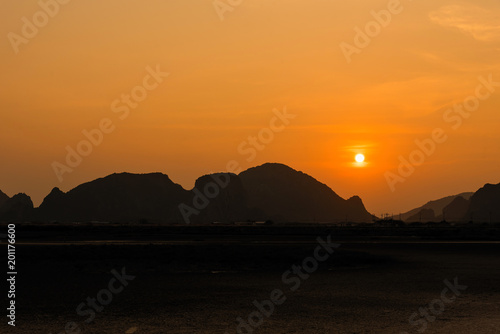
[268, 192]
[433, 210]
[480, 206]
[271, 191]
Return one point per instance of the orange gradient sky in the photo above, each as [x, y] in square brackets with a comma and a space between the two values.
[227, 76]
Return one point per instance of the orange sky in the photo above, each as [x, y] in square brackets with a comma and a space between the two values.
[226, 78]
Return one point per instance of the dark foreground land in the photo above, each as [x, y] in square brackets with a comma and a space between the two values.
[201, 280]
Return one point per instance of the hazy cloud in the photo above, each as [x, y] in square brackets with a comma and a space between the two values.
[482, 24]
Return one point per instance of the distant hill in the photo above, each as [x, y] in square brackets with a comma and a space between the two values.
[285, 194]
[17, 208]
[424, 215]
[484, 205]
[481, 206]
[117, 197]
[456, 210]
[436, 206]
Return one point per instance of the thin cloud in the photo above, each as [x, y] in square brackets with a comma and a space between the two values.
[482, 24]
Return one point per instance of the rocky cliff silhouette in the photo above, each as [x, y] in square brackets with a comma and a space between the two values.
[221, 198]
[117, 197]
[268, 192]
[433, 210]
[17, 208]
[456, 210]
[285, 194]
[484, 205]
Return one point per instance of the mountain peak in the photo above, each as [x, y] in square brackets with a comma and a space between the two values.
[55, 191]
[355, 198]
[437, 206]
[117, 197]
[485, 204]
[273, 166]
[271, 191]
[286, 194]
[17, 208]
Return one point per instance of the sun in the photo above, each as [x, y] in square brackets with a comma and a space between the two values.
[359, 158]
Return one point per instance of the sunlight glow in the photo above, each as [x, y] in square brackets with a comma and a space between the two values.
[360, 158]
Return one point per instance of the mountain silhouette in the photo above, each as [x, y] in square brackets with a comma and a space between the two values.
[481, 206]
[268, 192]
[229, 202]
[484, 205]
[456, 210]
[17, 208]
[285, 194]
[436, 206]
[271, 191]
[117, 197]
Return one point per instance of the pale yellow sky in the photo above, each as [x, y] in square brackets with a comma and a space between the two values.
[227, 76]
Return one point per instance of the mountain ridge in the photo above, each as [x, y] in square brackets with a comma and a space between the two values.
[288, 195]
[436, 206]
[271, 191]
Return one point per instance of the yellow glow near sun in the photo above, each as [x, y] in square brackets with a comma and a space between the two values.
[359, 158]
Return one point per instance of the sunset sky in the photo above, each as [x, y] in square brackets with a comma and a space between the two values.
[227, 76]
